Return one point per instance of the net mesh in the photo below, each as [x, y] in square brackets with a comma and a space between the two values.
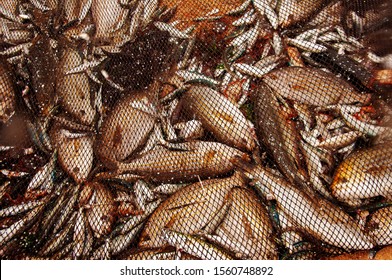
[163, 129]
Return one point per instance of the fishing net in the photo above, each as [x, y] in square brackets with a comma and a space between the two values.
[163, 129]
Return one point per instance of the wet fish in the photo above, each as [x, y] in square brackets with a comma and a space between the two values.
[188, 210]
[278, 133]
[108, 17]
[219, 116]
[126, 129]
[248, 227]
[100, 209]
[7, 93]
[194, 246]
[313, 86]
[380, 226]
[364, 174]
[74, 89]
[75, 152]
[291, 12]
[193, 159]
[315, 216]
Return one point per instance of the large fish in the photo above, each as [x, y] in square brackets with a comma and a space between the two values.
[188, 210]
[192, 159]
[278, 133]
[313, 86]
[7, 93]
[125, 129]
[75, 152]
[246, 228]
[364, 174]
[74, 89]
[219, 116]
[291, 12]
[310, 214]
[380, 226]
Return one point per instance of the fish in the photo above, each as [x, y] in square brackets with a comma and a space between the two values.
[188, 210]
[247, 226]
[312, 86]
[364, 174]
[100, 209]
[379, 226]
[125, 129]
[108, 17]
[219, 116]
[192, 159]
[310, 214]
[277, 133]
[292, 12]
[75, 152]
[194, 246]
[74, 90]
[7, 93]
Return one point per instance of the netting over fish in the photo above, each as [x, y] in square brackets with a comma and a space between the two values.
[164, 129]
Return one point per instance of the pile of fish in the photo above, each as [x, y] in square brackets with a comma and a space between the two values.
[125, 134]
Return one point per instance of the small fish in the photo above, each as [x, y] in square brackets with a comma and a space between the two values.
[123, 241]
[364, 174]
[21, 225]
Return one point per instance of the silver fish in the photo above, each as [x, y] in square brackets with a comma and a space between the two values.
[194, 246]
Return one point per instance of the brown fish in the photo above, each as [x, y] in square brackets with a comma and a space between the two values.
[364, 174]
[312, 86]
[291, 12]
[248, 227]
[74, 89]
[188, 210]
[7, 93]
[278, 133]
[193, 159]
[380, 226]
[75, 152]
[100, 209]
[219, 116]
[125, 129]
